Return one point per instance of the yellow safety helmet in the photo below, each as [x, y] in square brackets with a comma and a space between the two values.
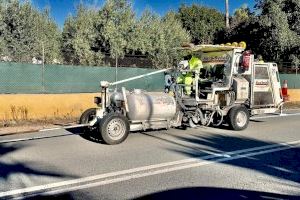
[228, 44]
[235, 44]
[243, 44]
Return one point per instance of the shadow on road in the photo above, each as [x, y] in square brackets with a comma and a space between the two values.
[56, 197]
[85, 133]
[209, 193]
[281, 164]
[10, 168]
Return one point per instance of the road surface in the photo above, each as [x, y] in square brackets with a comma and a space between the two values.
[262, 162]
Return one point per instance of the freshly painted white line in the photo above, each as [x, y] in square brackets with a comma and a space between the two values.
[143, 171]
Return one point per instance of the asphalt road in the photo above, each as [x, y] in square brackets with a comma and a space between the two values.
[262, 162]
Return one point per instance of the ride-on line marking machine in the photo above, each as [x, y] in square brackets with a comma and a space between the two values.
[229, 88]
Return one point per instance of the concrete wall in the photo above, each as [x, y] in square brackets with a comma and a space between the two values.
[294, 95]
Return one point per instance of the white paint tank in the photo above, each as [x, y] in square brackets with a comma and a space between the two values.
[145, 106]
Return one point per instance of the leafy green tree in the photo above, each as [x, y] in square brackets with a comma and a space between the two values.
[49, 38]
[25, 30]
[117, 21]
[202, 22]
[79, 38]
[172, 36]
[19, 35]
[241, 15]
[158, 38]
[243, 24]
[295, 60]
[67, 47]
[272, 32]
[273, 21]
[3, 50]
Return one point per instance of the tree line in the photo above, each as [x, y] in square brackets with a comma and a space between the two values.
[115, 31]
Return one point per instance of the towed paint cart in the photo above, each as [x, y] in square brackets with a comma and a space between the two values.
[230, 88]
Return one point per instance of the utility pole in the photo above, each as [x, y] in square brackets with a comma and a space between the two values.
[43, 68]
[227, 13]
[116, 72]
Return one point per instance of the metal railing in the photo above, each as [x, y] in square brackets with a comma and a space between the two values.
[288, 68]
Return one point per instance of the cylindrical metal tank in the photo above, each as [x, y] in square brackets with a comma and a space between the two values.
[150, 106]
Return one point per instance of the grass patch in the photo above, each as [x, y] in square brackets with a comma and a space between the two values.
[40, 122]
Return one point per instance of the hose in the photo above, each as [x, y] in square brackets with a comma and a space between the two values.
[202, 119]
[218, 111]
[179, 101]
[221, 120]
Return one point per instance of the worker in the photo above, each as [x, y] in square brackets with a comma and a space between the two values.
[194, 65]
[260, 59]
[168, 82]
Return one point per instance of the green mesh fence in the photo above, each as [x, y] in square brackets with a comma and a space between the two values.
[20, 78]
[27, 78]
[293, 80]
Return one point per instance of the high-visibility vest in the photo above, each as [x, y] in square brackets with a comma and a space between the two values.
[195, 64]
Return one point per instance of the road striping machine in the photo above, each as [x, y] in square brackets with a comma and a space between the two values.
[228, 89]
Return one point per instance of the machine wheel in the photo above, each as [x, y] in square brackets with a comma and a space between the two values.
[85, 118]
[239, 118]
[114, 128]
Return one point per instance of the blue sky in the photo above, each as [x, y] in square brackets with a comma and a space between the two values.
[60, 9]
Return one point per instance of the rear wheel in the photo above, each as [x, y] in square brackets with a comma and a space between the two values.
[86, 117]
[239, 118]
[114, 128]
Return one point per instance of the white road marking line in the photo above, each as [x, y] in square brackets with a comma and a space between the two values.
[50, 129]
[129, 174]
[64, 127]
[277, 116]
[34, 138]
[163, 171]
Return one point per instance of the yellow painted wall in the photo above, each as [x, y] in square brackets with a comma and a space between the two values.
[44, 106]
[294, 94]
[56, 106]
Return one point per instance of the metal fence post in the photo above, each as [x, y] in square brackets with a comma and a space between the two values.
[116, 78]
[43, 70]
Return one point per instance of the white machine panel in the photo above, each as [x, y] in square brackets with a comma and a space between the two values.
[241, 87]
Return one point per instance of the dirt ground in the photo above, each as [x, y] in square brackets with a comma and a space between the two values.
[14, 127]
[292, 105]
